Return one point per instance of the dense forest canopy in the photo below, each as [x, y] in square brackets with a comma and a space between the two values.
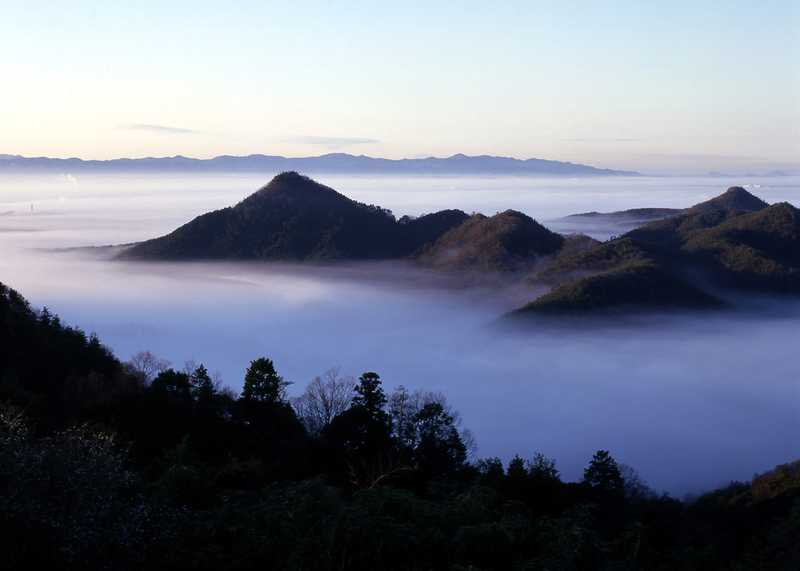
[112, 465]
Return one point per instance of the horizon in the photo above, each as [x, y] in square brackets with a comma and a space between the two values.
[600, 167]
[575, 83]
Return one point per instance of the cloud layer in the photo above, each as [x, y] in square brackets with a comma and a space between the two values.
[154, 128]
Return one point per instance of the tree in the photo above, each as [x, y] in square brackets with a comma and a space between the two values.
[603, 474]
[324, 398]
[68, 499]
[203, 389]
[542, 469]
[423, 422]
[636, 489]
[491, 472]
[364, 429]
[263, 384]
[370, 396]
[516, 468]
[516, 484]
[403, 407]
[147, 366]
[173, 383]
[439, 448]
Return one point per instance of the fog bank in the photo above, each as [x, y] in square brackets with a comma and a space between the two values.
[690, 402]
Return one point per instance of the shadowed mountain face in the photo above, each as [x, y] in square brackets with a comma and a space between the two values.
[296, 218]
[756, 250]
[735, 199]
[507, 241]
[674, 231]
[734, 240]
[638, 285]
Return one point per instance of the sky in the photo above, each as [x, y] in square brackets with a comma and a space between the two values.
[661, 87]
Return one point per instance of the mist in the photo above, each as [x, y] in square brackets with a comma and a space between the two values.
[690, 401]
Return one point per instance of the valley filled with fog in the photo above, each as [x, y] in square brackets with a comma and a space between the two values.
[689, 401]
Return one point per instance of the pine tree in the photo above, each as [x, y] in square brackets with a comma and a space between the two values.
[370, 396]
[202, 385]
[262, 383]
[603, 473]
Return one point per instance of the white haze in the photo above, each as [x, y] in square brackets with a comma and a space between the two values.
[690, 402]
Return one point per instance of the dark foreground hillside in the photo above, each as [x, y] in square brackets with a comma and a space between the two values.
[110, 465]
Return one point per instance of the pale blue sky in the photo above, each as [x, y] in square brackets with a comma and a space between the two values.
[658, 86]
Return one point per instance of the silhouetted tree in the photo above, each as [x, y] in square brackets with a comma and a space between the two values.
[516, 469]
[403, 407]
[370, 396]
[173, 383]
[324, 398]
[147, 366]
[636, 489]
[262, 383]
[439, 449]
[491, 472]
[603, 474]
[203, 389]
[542, 469]
[516, 478]
[360, 437]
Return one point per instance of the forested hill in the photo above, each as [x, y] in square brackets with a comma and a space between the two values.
[685, 259]
[296, 218]
[735, 241]
[54, 370]
[139, 465]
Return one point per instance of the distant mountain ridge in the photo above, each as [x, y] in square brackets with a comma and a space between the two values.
[330, 163]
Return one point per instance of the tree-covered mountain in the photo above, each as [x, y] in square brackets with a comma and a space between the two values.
[735, 240]
[507, 241]
[636, 285]
[736, 199]
[682, 259]
[758, 250]
[296, 218]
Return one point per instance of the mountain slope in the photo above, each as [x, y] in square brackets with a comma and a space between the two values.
[756, 250]
[734, 240]
[735, 200]
[638, 285]
[506, 241]
[296, 218]
[50, 368]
